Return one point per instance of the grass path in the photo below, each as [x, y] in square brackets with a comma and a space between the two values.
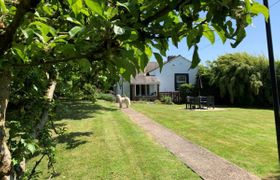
[245, 137]
[102, 143]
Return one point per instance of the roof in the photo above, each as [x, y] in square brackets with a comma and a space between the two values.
[172, 58]
[150, 66]
[143, 79]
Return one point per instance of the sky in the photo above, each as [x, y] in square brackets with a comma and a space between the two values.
[255, 42]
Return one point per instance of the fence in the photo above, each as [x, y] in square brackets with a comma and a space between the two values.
[175, 96]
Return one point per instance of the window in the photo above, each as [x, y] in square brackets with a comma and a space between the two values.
[181, 79]
[142, 90]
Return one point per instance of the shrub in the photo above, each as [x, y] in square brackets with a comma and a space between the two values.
[106, 97]
[166, 100]
[157, 101]
[185, 90]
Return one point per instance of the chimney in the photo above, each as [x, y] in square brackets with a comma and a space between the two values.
[170, 58]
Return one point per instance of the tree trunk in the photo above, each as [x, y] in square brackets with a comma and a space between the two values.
[5, 155]
[45, 113]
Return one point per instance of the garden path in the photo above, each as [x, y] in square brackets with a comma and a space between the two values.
[203, 162]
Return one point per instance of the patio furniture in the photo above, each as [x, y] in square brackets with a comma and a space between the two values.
[200, 102]
[211, 102]
[190, 102]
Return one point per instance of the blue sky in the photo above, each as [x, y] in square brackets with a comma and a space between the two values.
[254, 43]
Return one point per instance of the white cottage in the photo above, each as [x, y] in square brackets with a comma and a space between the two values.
[150, 83]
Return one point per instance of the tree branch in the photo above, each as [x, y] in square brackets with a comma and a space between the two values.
[155, 35]
[23, 7]
[90, 55]
[164, 11]
[35, 166]
[52, 61]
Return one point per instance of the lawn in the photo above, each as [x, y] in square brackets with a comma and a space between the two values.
[245, 137]
[102, 143]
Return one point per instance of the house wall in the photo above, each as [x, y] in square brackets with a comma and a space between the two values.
[126, 88]
[166, 76]
[153, 88]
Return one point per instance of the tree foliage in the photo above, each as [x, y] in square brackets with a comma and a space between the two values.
[237, 76]
[239, 79]
[75, 29]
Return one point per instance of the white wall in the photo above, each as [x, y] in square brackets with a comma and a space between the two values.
[153, 88]
[126, 88]
[166, 76]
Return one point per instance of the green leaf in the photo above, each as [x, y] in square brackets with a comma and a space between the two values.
[148, 51]
[257, 8]
[95, 7]
[175, 39]
[159, 60]
[22, 141]
[194, 36]
[190, 41]
[19, 54]
[85, 65]
[143, 59]
[122, 70]
[85, 11]
[48, 10]
[249, 19]
[31, 148]
[67, 50]
[229, 27]
[240, 36]
[248, 5]
[111, 12]
[133, 35]
[220, 32]
[125, 5]
[72, 20]
[28, 32]
[75, 30]
[3, 8]
[44, 29]
[61, 39]
[195, 58]
[209, 34]
[76, 6]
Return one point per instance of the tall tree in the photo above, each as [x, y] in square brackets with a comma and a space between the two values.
[243, 75]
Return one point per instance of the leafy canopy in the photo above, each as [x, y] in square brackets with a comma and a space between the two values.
[120, 33]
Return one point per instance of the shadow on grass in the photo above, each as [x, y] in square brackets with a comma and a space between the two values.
[71, 139]
[274, 175]
[78, 110]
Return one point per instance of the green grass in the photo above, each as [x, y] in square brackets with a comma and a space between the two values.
[245, 137]
[102, 143]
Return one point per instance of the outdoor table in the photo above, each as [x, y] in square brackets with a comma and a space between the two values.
[200, 102]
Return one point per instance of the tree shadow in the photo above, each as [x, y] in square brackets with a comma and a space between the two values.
[274, 176]
[78, 110]
[71, 139]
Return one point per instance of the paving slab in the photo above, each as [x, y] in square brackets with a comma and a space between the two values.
[203, 162]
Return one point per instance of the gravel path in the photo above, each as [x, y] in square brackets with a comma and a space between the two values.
[206, 164]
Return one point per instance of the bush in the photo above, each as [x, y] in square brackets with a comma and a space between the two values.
[88, 92]
[157, 101]
[185, 90]
[166, 100]
[106, 97]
